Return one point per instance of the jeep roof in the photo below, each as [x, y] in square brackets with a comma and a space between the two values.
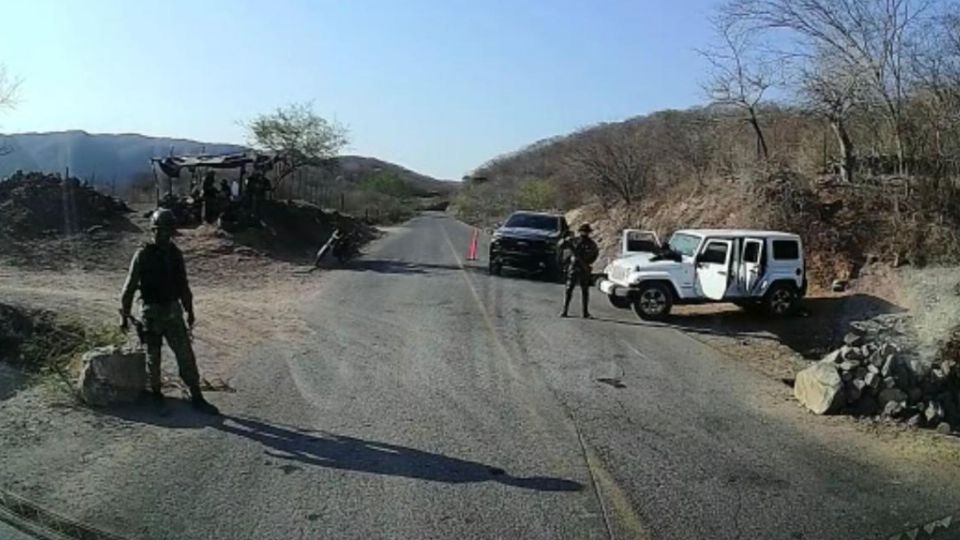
[737, 232]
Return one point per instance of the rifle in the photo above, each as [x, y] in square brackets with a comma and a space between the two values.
[137, 325]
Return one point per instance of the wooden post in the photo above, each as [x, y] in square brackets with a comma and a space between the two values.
[156, 180]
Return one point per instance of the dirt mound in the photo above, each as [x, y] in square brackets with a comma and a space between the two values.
[291, 231]
[35, 205]
[16, 326]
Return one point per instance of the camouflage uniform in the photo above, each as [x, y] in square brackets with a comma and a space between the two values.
[159, 273]
[584, 253]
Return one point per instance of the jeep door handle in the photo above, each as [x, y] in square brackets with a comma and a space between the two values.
[721, 273]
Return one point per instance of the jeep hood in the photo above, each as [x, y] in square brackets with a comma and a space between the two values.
[527, 233]
[642, 260]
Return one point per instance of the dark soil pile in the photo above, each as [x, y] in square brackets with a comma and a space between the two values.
[36, 205]
[295, 230]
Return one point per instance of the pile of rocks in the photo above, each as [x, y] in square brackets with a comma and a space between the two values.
[877, 373]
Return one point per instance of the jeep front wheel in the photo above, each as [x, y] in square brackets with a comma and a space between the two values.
[781, 299]
[652, 301]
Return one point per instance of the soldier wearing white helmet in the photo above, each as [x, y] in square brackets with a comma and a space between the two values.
[157, 270]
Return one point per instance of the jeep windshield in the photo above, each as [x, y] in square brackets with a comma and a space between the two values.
[684, 244]
[534, 221]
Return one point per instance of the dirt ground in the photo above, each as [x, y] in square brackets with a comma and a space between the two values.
[241, 295]
[779, 348]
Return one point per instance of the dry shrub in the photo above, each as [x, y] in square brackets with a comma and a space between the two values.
[41, 342]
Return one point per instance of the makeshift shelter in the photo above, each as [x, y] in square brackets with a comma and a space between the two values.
[172, 167]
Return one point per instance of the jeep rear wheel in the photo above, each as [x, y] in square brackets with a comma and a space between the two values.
[781, 300]
[652, 301]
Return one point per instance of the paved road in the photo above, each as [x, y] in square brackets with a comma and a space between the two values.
[433, 401]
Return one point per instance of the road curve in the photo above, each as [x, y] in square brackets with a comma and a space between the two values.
[431, 400]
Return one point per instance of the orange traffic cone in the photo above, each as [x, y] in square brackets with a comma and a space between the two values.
[474, 240]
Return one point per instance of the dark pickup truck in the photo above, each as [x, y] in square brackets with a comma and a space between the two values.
[528, 241]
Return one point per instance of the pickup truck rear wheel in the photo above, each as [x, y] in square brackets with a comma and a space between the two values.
[781, 300]
[652, 301]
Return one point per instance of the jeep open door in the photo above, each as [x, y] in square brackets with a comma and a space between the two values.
[713, 268]
[637, 241]
[751, 264]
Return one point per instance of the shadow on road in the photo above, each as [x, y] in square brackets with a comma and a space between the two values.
[333, 451]
[818, 328]
[390, 266]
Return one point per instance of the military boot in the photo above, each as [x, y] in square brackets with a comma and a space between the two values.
[200, 404]
[159, 403]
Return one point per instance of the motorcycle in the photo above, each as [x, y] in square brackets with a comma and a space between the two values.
[345, 248]
[342, 245]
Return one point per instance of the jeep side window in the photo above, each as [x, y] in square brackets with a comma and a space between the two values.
[751, 252]
[715, 253]
[786, 250]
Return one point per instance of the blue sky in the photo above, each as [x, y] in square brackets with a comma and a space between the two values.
[435, 85]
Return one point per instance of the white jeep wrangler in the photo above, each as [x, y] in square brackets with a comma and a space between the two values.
[748, 268]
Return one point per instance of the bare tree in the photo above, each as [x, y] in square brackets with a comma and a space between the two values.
[739, 78]
[8, 99]
[615, 163]
[871, 36]
[935, 62]
[833, 91]
[299, 135]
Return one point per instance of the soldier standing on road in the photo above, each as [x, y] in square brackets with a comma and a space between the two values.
[157, 270]
[583, 253]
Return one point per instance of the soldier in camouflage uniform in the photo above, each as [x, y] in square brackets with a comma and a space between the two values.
[583, 253]
[157, 270]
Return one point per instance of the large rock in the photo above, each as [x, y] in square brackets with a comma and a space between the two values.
[891, 394]
[848, 365]
[112, 375]
[819, 388]
[851, 353]
[894, 409]
[853, 339]
[832, 357]
[889, 366]
[934, 412]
